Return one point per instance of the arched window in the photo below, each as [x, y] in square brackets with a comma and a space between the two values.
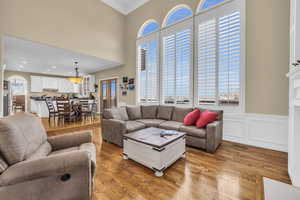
[177, 14]
[148, 27]
[205, 4]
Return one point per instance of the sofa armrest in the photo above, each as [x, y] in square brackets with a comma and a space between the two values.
[70, 140]
[113, 130]
[56, 165]
[214, 134]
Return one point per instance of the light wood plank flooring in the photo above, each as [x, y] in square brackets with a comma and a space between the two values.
[235, 171]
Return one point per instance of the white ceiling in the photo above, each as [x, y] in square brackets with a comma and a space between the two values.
[27, 56]
[125, 6]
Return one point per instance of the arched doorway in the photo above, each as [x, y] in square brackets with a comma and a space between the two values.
[18, 94]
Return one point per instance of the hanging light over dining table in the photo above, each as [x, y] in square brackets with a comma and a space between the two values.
[76, 79]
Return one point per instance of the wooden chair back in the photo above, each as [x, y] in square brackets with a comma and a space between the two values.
[50, 105]
[63, 106]
[85, 106]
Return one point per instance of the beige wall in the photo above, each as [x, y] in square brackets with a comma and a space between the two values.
[89, 27]
[267, 50]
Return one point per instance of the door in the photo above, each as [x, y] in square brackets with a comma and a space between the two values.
[108, 94]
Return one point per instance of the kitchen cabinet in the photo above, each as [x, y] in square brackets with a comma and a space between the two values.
[61, 85]
[50, 83]
[36, 84]
[66, 86]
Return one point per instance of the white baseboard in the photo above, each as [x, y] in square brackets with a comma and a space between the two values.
[267, 131]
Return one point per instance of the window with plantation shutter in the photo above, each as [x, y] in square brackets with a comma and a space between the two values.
[229, 59]
[177, 63]
[219, 55]
[148, 70]
[207, 62]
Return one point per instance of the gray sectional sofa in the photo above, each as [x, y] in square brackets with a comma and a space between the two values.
[119, 121]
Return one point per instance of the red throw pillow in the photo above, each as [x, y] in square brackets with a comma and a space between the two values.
[205, 118]
[191, 118]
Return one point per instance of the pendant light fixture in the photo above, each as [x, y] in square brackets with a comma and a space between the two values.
[76, 79]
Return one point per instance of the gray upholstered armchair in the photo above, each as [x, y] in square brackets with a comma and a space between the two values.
[34, 167]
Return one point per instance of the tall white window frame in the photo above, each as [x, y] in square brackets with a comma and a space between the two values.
[177, 31]
[149, 90]
[214, 14]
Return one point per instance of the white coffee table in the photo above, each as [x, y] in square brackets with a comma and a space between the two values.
[148, 148]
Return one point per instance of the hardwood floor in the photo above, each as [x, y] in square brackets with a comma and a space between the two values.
[235, 171]
[55, 125]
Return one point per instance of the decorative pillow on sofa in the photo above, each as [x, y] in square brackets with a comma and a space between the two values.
[165, 112]
[134, 112]
[191, 118]
[205, 118]
[180, 113]
[149, 112]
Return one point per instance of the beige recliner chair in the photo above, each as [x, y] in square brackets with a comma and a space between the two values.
[34, 167]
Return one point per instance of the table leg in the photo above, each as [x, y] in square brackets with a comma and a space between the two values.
[125, 157]
[159, 173]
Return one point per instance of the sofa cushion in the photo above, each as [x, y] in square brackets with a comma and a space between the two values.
[134, 112]
[149, 112]
[171, 125]
[165, 112]
[180, 113]
[116, 113]
[193, 131]
[21, 135]
[134, 126]
[205, 118]
[191, 118]
[151, 122]
[3, 164]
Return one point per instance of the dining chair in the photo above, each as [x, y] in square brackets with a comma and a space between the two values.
[86, 108]
[64, 109]
[52, 111]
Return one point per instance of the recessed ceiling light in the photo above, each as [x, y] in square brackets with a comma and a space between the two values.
[24, 62]
[53, 67]
[21, 66]
[19, 69]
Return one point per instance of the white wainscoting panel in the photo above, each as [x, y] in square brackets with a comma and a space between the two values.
[267, 131]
